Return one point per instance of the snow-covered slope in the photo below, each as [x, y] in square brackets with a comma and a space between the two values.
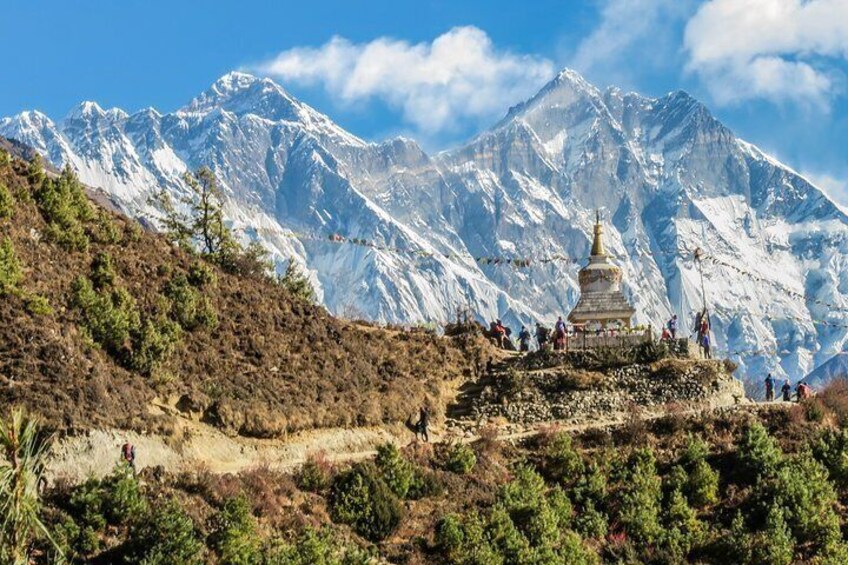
[834, 368]
[669, 177]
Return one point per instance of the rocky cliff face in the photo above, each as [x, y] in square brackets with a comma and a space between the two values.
[667, 175]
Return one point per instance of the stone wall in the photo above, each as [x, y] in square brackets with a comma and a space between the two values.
[575, 396]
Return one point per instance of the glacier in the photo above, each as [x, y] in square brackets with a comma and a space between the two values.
[667, 176]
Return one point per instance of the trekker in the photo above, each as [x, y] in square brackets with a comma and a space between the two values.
[696, 329]
[128, 454]
[499, 333]
[804, 391]
[705, 343]
[423, 423]
[541, 336]
[559, 338]
[524, 339]
[665, 335]
[769, 388]
[786, 389]
[672, 327]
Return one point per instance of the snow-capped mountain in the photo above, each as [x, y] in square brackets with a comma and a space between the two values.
[667, 175]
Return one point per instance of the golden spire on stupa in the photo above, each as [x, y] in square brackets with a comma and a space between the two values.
[598, 243]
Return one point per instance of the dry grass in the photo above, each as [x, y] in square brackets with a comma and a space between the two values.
[273, 365]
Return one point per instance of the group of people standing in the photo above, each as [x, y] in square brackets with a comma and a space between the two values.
[802, 390]
[502, 334]
[701, 332]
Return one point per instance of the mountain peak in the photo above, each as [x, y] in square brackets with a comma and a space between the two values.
[88, 110]
[563, 90]
[85, 109]
[572, 77]
[240, 92]
[33, 116]
[234, 81]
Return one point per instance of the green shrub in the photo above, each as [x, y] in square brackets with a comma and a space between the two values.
[189, 308]
[758, 453]
[450, 537]
[11, 273]
[703, 485]
[112, 319]
[505, 539]
[165, 535]
[7, 202]
[315, 474]
[85, 506]
[683, 531]
[296, 283]
[65, 207]
[201, 275]
[68, 537]
[561, 506]
[590, 522]
[102, 271]
[696, 450]
[424, 483]
[35, 171]
[573, 552]
[561, 460]
[776, 546]
[832, 450]
[592, 485]
[677, 479]
[525, 490]
[109, 317]
[539, 524]
[233, 536]
[460, 459]
[739, 542]
[37, 305]
[314, 547]
[153, 343]
[466, 542]
[359, 497]
[808, 499]
[396, 471]
[122, 499]
[640, 498]
[116, 499]
[105, 229]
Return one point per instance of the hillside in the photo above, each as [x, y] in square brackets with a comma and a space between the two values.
[737, 486]
[423, 235]
[99, 318]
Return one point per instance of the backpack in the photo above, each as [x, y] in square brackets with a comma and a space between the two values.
[128, 451]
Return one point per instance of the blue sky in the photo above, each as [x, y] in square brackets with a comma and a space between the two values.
[439, 71]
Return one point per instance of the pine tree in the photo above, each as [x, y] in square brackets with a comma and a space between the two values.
[778, 546]
[203, 221]
[640, 500]
[296, 283]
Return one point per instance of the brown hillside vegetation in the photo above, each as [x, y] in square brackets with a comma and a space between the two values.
[99, 317]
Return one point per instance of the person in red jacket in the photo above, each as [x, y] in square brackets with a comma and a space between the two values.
[128, 455]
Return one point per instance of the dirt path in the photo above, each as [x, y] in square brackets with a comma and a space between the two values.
[196, 444]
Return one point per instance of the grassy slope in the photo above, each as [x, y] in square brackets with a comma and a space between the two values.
[272, 365]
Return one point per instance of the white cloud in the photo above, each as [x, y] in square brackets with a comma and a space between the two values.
[459, 77]
[780, 50]
[835, 187]
[632, 34]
